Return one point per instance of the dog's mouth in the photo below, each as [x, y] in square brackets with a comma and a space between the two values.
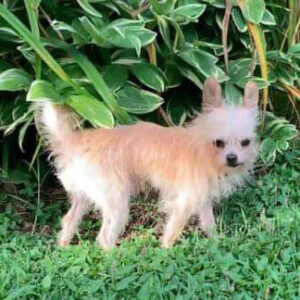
[234, 165]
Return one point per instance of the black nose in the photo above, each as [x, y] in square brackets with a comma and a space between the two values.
[231, 159]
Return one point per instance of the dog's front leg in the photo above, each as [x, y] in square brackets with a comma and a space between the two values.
[177, 219]
[206, 218]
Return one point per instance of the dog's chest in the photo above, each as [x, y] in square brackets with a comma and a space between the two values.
[78, 176]
[224, 185]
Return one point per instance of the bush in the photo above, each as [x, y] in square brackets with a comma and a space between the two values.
[116, 61]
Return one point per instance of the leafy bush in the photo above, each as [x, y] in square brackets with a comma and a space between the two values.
[116, 61]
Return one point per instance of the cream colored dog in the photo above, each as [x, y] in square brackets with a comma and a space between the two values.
[191, 166]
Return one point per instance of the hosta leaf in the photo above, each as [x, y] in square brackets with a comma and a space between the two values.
[150, 76]
[81, 36]
[232, 94]
[295, 49]
[268, 18]
[164, 30]
[163, 7]
[86, 6]
[128, 34]
[254, 10]
[261, 83]
[201, 60]
[8, 34]
[286, 132]
[94, 32]
[282, 145]
[173, 75]
[61, 26]
[188, 13]
[238, 20]
[268, 149]
[278, 56]
[240, 68]
[92, 110]
[188, 72]
[115, 76]
[41, 90]
[182, 104]
[138, 101]
[14, 80]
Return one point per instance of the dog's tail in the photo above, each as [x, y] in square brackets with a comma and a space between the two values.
[55, 123]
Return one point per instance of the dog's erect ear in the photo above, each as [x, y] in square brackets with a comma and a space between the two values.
[212, 94]
[251, 95]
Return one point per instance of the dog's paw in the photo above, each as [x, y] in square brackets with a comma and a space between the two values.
[210, 233]
[166, 243]
[104, 244]
[63, 243]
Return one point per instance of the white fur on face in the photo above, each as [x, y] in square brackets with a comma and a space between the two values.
[232, 125]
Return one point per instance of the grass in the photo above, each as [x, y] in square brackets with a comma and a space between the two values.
[256, 256]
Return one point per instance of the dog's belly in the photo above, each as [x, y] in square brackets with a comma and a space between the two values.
[79, 177]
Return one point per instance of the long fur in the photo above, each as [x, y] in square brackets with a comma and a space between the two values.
[104, 167]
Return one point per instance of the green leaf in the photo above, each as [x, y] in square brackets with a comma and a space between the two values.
[188, 13]
[239, 20]
[254, 10]
[94, 32]
[62, 26]
[201, 60]
[239, 69]
[232, 94]
[126, 282]
[174, 77]
[295, 49]
[164, 30]
[41, 90]
[92, 110]
[150, 76]
[282, 145]
[115, 76]
[187, 71]
[138, 101]
[96, 79]
[23, 131]
[268, 148]
[87, 7]
[162, 7]
[46, 282]
[14, 80]
[177, 109]
[268, 18]
[35, 44]
[128, 34]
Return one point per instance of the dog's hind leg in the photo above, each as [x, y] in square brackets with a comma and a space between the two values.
[179, 214]
[72, 219]
[115, 213]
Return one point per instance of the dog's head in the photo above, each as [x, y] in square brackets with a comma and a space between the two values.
[231, 129]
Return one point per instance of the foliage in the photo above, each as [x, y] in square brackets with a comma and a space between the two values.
[256, 256]
[116, 61]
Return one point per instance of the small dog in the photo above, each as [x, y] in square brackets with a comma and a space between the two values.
[192, 166]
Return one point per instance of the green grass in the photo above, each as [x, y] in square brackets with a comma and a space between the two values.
[256, 256]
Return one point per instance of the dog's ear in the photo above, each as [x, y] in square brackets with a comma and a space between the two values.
[251, 95]
[212, 95]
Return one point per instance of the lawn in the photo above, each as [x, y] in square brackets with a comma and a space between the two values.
[257, 254]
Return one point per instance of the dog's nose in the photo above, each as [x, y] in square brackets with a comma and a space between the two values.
[231, 159]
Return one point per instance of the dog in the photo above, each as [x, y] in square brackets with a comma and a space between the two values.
[192, 167]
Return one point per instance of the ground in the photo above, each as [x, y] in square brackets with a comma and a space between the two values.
[257, 253]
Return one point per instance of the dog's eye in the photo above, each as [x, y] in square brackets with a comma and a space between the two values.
[219, 143]
[245, 142]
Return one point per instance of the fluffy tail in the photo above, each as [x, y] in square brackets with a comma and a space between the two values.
[55, 123]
